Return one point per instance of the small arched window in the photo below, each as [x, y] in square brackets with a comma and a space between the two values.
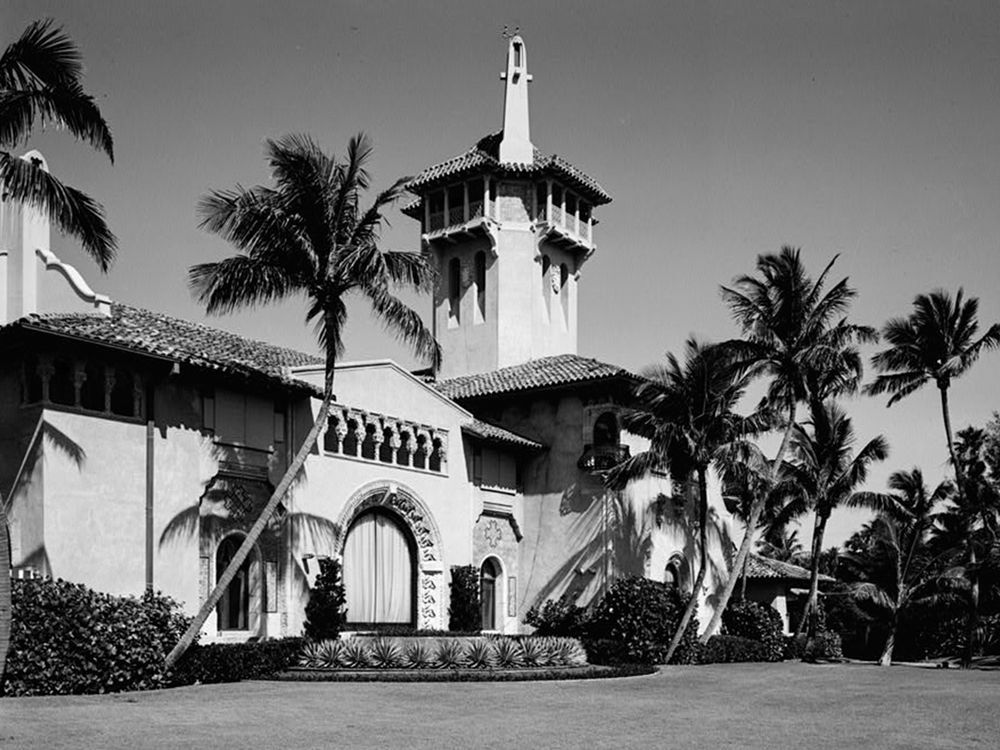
[564, 291]
[480, 286]
[454, 290]
[547, 285]
[606, 430]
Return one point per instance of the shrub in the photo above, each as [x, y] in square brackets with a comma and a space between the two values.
[481, 655]
[569, 652]
[418, 655]
[605, 651]
[825, 645]
[509, 653]
[642, 615]
[794, 647]
[66, 639]
[384, 653]
[355, 654]
[533, 652]
[559, 618]
[728, 649]
[325, 612]
[232, 662]
[463, 613]
[450, 654]
[758, 622]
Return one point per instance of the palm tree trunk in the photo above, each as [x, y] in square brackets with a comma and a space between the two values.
[755, 514]
[743, 580]
[972, 623]
[808, 614]
[6, 606]
[255, 531]
[890, 643]
[692, 604]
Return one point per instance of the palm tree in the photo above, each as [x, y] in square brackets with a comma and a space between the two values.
[40, 78]
[686, 411]
[792, 331]
[308, 235]
[40, 83]
[829, 476]
[936, 342]
[781, 545]
[970, 524]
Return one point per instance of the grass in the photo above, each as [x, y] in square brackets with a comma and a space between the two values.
[738, 705]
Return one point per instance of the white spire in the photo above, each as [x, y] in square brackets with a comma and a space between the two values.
[515, 146]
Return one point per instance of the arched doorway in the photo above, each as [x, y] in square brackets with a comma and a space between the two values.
[489, 594]
[379, 571]
[238, 604]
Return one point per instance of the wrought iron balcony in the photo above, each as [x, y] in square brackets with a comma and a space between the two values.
[602, 457]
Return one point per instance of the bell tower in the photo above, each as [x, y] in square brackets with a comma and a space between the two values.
[509, 231]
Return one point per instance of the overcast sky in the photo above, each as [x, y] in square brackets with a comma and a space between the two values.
[723, 130]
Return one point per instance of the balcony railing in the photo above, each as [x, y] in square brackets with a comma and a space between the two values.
[557, 215]
[602, 457]
[436, 221]
[456, 215]
[475, 209]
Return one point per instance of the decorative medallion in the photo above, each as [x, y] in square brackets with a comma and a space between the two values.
[237, 501]
[493, 533]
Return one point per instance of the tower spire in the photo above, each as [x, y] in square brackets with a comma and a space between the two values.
[515, 146]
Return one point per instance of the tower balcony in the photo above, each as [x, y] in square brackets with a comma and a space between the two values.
[565, 229]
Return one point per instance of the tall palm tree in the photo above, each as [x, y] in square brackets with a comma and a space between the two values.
[969, 525]
[937, 342]
[792, 330]
[40, 77]
[829, 476]
[687, 412]
[40, 83]
[307, 235]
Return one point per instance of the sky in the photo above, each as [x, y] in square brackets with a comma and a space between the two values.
[723, 130]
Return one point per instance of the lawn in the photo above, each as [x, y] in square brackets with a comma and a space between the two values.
[745, 705]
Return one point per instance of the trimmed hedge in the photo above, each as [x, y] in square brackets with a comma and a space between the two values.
[729, 649]
[758, 622]
[67, 639]
[233, 662]
[559, 618]
[643, 615]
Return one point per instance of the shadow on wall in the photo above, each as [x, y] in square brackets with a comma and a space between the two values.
[231, 501]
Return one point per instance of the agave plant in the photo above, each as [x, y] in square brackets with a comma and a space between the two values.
[355, 653]
[385, 653]
[568, 652]
[534, 652]
[481, 654]
[417, 655]
[310, 655]
[450, 654]
[331, 654]
[508, 652]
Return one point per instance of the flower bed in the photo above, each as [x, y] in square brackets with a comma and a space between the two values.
[588, 672]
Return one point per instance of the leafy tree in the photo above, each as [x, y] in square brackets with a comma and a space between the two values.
[687, 412]
[464, 612]
[892, 558]
[969, 524]
[829, 476]
[325, 611]
[40, 82]
[307, 235]
[794, 334]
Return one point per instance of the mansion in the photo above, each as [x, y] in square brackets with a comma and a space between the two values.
[136, 449]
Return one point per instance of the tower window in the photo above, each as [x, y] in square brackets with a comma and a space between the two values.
[564, 291]
[517, 54]
[547, 285]
[480, 286]
[454, 291]
[541, 200]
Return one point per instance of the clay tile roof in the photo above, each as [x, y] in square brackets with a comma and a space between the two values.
[160, 335]
[485, 155]
[765, 567]
[547, 372]
[493, 434]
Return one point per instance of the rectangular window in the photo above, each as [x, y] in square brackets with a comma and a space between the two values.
[208, 411]
[279, 423]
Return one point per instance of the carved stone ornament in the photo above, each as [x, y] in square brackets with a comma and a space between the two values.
[493, 533]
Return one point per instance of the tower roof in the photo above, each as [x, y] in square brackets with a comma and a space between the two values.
[484, 158]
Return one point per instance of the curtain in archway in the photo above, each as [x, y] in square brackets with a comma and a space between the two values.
[488, 595]
[378, 572]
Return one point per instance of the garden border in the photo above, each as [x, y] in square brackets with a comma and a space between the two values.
[524, 674]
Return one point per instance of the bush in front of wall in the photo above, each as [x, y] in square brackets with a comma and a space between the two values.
[325, 611]
[233, 662]
[758, 622]
[643, 615]
[824, 646]
[464, 613]
[558, 617]
[69, 639]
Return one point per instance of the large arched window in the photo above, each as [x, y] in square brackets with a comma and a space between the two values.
[234, 608]
[489, 594]
[379, 571]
